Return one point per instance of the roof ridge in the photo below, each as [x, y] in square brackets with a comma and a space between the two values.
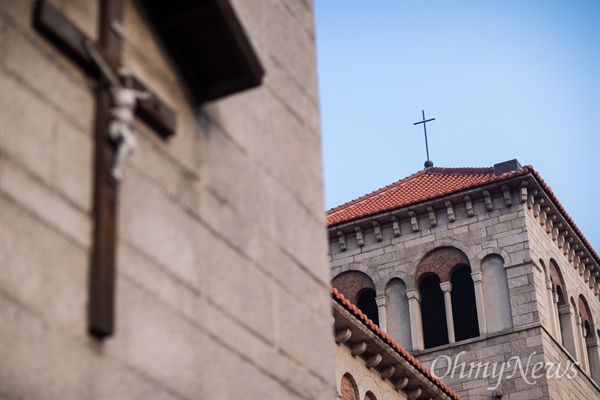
[376, 191]
[359, 207]
[463, 170]
[431, 170]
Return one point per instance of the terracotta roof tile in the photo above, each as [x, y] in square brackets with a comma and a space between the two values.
[423, 185]
[433, 182]
[337, 296]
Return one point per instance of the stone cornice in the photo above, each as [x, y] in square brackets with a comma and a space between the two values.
[526, 189]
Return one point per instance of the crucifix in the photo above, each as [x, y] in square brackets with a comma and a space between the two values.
[119, 96]
[428, 163]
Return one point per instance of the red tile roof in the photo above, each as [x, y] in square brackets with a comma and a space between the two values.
[434, 182]
[423, 185]
[337, 296]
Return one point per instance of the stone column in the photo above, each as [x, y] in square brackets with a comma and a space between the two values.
[581, 343]
[447, 289]
[476, 276]
[416, 325]
[556, 314]
[593, 350]
[380, 300]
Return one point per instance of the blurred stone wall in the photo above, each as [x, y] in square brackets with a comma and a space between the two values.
[222, 282]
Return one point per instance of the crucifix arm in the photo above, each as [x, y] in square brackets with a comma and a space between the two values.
[104, 68]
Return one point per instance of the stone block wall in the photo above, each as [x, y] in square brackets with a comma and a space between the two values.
[509, 231]
[565, 380]
[502, 363]
[222, 285]
[366, 379]
[575, 283]
[501, 231]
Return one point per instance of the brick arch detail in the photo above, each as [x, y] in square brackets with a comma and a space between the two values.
[351, 283]
[370, 396]
[441, 262]
[584, 310]
[556, 278]
[428, 248]
[348, 388]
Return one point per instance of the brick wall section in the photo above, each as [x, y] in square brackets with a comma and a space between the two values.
[222, 273]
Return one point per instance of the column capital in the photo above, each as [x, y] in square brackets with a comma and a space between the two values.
[555, 298]
[592, 342]
[380, 300]
[476, 276]
[446, 287]
[565, 309]
[413, 294]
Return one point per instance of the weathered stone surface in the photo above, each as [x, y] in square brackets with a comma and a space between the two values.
[221, 274]
[510, 236]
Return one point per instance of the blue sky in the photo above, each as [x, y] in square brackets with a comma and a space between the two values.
[503, 79]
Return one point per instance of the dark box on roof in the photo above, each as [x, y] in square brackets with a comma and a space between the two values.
[507, 166]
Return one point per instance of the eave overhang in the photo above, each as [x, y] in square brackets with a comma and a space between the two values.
[531, 188]
[208, 44]
[394, 364]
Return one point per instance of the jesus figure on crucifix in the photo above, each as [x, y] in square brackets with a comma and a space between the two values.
[124, 100]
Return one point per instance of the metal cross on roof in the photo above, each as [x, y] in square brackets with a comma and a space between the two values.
[428, 163]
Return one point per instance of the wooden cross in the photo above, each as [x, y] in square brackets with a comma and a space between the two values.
[67, 37]
[428, 163]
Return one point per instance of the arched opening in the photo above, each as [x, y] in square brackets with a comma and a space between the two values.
[370, 396]
[464, 309]
[564, 309]
[590, 342]
[367, 304]
[352, 283]
[348, 388]
[433, 311]
[560, 296]
[588, 333]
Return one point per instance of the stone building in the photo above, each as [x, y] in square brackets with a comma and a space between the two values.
[481, 274]
[220, 286]
[371, 365]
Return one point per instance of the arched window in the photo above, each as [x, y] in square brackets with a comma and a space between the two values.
[464, 310]
[398, 313]
[448, 297]
[564, 309]
[370, 396]
[590, 342]
[433, 312]
[348, 388]
[359, 289]
[367, 304]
